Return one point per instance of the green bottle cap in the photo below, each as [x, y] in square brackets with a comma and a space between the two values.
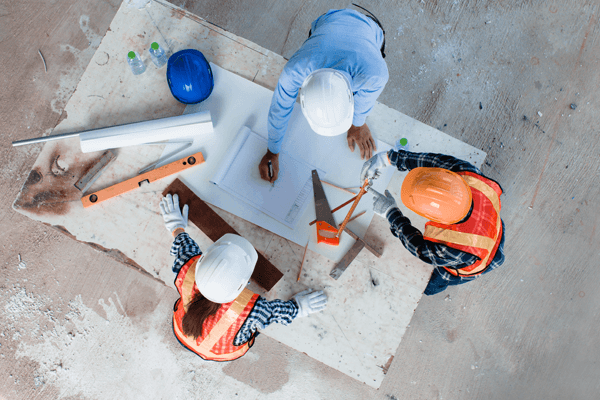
[403, 141]
[154, 46]
[131, 54]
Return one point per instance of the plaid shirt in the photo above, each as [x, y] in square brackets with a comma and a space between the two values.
[437, 254]
[264, 312]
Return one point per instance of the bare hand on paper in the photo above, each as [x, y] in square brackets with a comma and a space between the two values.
[263, 167]
[361, 135]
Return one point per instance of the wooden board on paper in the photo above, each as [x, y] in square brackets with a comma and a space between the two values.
[265, 273]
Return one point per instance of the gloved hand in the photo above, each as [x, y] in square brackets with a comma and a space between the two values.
[310, 301]
[373, 166]
[169, 208]
[382, 205]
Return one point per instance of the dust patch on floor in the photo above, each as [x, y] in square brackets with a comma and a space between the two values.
[81, 353]
[79, 59]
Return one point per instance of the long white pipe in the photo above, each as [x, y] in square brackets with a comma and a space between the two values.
[182, 126]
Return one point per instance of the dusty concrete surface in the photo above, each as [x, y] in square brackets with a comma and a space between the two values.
[498, 75]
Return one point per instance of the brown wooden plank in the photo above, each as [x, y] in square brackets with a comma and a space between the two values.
[206, 219]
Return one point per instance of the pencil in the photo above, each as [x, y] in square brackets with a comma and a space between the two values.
[341, 188]
[302, 263]
[356, 216]
[271, 172]
[335, 209]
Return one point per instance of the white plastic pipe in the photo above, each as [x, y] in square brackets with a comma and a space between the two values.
[181, 126]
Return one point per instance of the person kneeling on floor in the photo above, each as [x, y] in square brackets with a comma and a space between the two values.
[217, 317]
[465, 235]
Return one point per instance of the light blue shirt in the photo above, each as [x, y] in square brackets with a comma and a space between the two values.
[344, 40]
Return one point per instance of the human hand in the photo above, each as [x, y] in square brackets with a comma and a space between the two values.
[263, 167]
[174, 219]
[361, 135]
[310, 301]
[372, 167]
[382, 205]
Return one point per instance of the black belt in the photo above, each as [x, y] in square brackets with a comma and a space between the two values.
[374, 18]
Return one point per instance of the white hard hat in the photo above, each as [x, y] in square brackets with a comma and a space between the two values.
[225, 268]
[327, 102]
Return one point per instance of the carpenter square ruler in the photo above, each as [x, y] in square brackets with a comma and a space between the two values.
[147, 177]
[345, 262]
[94, 173]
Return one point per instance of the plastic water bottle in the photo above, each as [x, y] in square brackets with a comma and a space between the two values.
[157, 55]
[402, 144]
[136, 63]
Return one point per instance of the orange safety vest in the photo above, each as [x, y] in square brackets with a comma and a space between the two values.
[480, 234]
[218, 330]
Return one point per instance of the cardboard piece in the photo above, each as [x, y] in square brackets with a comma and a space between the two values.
[370, 305]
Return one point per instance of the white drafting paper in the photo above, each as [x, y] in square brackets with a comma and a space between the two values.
[236, 102]
[285, 200]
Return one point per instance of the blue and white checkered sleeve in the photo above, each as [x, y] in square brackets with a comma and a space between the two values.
[183, 248]
[407, 160]
[263, 314]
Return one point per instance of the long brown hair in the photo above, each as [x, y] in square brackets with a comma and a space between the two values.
[198, 310]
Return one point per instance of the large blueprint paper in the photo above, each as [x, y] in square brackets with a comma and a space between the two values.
[285, 200]
[236, 102]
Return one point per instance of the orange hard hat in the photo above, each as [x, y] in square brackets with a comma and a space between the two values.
[437, 194]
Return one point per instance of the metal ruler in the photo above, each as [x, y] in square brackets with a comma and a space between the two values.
[345, 262]
[94, 172]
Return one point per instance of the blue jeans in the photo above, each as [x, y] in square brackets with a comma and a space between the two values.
[437, 283]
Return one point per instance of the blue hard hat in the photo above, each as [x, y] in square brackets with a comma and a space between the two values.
[189, 76]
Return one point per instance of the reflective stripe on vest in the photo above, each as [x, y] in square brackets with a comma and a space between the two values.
[463, 237]
[234, 316]
[203, 349]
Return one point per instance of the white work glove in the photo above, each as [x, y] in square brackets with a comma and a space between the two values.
[310, 301]
[169, 208]
[373, 166]
[382, 205]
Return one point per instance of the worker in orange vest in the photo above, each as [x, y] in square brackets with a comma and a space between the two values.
[464, 237]
[217, 317]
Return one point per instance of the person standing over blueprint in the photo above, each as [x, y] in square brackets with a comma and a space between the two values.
[340, 72]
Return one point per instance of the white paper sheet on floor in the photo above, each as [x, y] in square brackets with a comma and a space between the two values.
[236, 102]
[158, 130]
[285, 200]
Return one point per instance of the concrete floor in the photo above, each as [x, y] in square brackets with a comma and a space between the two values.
[516, 79]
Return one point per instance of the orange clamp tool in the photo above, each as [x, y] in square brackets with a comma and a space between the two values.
[360, 194]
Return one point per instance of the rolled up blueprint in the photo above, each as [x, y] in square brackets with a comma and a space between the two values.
[158, 130]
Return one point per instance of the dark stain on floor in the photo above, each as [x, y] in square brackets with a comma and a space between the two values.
[50, 189]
